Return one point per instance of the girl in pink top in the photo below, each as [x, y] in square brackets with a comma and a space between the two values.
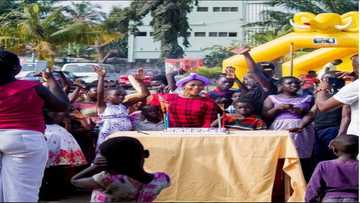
[23, 150]
[118, 175]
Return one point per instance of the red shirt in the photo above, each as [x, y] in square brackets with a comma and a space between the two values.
[251, 122]
[188, 112]
[21, 107]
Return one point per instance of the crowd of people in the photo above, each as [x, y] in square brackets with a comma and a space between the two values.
[76, 119]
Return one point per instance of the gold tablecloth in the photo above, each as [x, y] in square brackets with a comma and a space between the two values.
[234, 167]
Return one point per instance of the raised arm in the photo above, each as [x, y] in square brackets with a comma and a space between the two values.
[100, 103]
[54, 97]
[256, 72]
[137, 81]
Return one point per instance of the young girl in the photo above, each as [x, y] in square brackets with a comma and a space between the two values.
[243, 118]
[287, 110]
[119, 175]
[112, 104]
[235, 96]
[337, 180]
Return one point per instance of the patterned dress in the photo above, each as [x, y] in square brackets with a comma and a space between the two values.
[304, 141]
[114, 118]
[187, 112]
[63, 148]
[120, 188]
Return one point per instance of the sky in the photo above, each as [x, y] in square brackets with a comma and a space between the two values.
[105, 5]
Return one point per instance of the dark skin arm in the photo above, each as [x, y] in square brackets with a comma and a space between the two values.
[345, 120]
[256, 72]
[84, 178]
[306, 120]
[230, 73]
[54, 97]
[137, 82]
[323, 102]
[100, 103]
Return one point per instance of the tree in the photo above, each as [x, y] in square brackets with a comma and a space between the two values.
[169, 22]
[277, 22]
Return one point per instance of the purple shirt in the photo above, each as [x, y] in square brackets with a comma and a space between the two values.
[334, 178]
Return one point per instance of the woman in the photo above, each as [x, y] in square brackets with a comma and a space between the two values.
[188, 109]
[287, 109]
[22, 144]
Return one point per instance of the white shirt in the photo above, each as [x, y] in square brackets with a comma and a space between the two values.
[349, 94]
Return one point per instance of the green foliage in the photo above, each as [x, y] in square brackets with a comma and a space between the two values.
[209, 72]
[216, 54]
[169, 21]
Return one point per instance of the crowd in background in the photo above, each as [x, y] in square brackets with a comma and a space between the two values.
[78, 117]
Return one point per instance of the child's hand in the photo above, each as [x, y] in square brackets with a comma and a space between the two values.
[295, 130]
[101, 72]
[282, 107]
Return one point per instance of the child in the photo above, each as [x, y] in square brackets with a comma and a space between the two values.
[112, 104]
[119, 175]
[243, 118]
[231, 108]
[150, 119]
[337, 180]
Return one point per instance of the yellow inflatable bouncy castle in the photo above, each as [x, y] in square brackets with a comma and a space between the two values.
[333, 36]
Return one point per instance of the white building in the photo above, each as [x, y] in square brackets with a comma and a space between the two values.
[212, 23]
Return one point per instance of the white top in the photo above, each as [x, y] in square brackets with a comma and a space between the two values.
[349, 94]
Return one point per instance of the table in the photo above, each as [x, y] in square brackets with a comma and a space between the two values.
[239, 166]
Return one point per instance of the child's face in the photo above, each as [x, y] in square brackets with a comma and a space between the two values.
[224, 84]
[152, 114]
[235, 96]
[116, 96]
[244, 109]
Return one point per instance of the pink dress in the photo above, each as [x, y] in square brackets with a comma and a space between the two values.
[120, 188]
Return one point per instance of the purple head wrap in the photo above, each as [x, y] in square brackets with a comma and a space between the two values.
[192, 76]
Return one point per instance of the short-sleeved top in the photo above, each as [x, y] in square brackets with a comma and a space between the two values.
[187, 112]
[349, 94]
[251, 122]
[121, 188]
[334, 178]
[21, 107]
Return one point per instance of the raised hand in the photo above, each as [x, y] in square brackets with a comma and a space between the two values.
[101, 72]
[46, 75]
[244, 49]
[230, 72]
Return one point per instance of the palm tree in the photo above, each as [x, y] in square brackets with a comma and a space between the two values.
[277, 20]
[88, 26]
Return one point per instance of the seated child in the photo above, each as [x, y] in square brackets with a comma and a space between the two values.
[337, 180]
[118, 173]
[231, 108]
[150, 119]
[243, 118]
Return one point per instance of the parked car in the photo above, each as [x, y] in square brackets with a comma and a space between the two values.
[149, 81]
[85, 71]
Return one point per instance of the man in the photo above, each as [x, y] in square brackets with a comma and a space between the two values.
[347, 95]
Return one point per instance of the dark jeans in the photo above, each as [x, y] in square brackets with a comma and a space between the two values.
[322, 140]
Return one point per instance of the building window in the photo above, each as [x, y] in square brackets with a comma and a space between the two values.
[223, 34]
[216, 9]
[213, 34]
[140, 34]
[232, 34]
[199, 34]
[202, 9]
[234, 9]
[225, 9]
